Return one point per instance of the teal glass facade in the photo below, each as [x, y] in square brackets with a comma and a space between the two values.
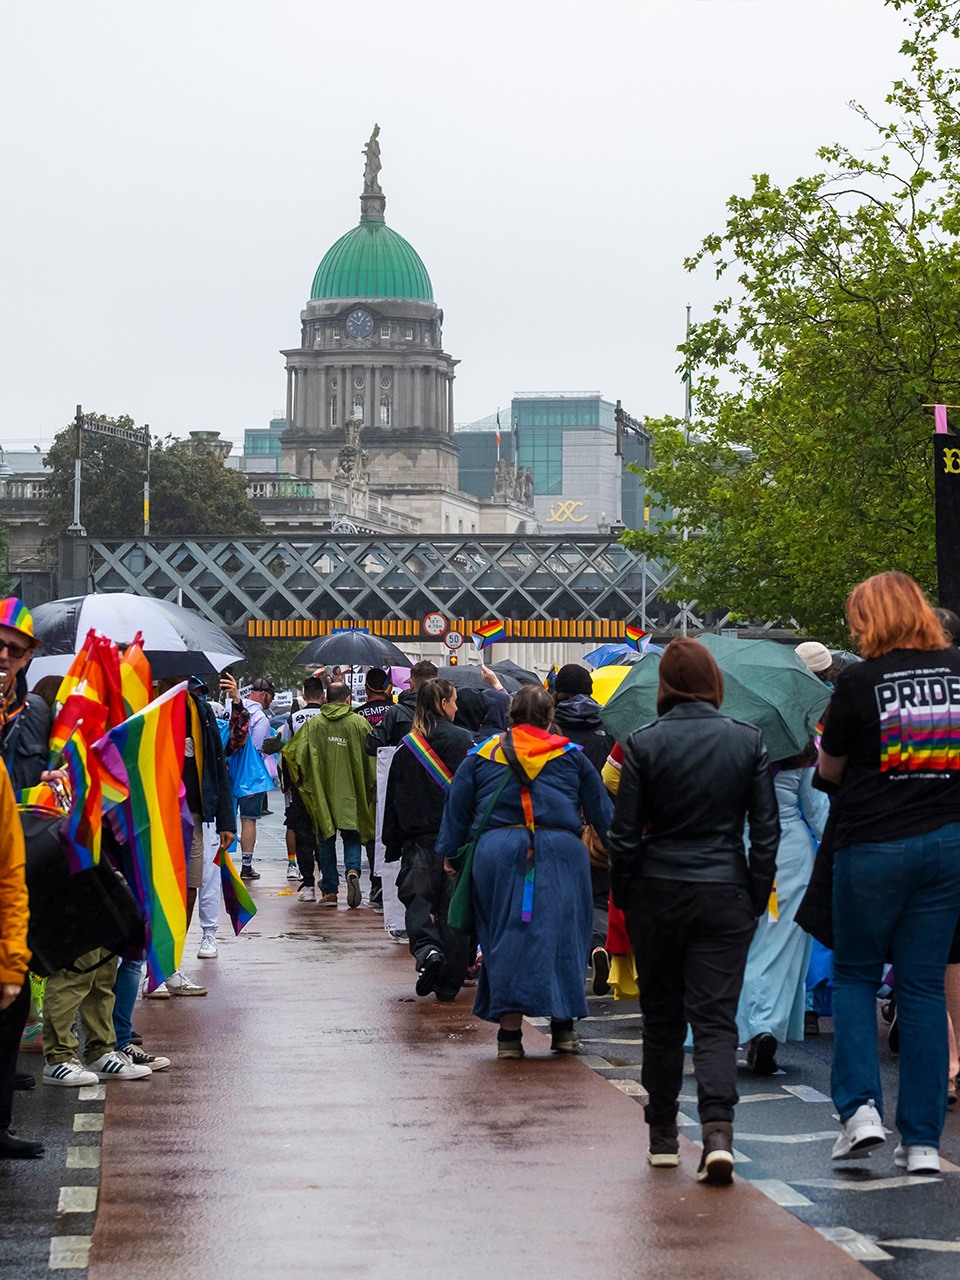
[261, 443]
[542, 422]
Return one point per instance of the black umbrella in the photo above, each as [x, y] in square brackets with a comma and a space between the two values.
[515, 672]
[177, 641]
[352, 649]
[470, 678]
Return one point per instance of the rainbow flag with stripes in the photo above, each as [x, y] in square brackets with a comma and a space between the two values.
[95, 672]
[633, 635]
[236, 898]
[145, 754]
[136, 678]
[488, 633]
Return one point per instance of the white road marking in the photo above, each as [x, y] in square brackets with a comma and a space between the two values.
[747, 1097]
[780, 1193]
[611, 1040]
[77, 1200]
[595, 1063]
[92, 1092]
[866, 1184]
[69, 1252]
[934, 1246]
[88, 1122]
[825, 1136]
[805, 1093]
[632, 1088]
[852, 1242]
[83, 1157]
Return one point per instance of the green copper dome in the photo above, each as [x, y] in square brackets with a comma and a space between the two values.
[371, 261]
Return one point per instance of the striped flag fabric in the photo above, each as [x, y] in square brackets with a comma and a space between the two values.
[145, 754]
[236, 898]
[488, 633]
[634, 635]
[136, 678]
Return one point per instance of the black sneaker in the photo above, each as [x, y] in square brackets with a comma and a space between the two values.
[23, 1080]
[600, 961]
[14, 1148]
[354, 892]
[716, 1163]
[430, 969]
[247, 872]
[663, 1151]
[762, 1054]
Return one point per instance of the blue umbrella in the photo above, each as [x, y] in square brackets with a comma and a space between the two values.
[620, 654]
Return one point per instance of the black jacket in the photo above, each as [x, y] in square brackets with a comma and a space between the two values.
[578, 718]
[414, 802]
[397, 722]
[689, 782]
[212, 795]
[25, 740]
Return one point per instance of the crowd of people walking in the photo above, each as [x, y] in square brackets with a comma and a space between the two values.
[515, 844]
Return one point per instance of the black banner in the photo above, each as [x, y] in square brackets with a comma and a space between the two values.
[946, 462]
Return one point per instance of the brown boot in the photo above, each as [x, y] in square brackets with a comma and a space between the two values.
[716, 1163]
[664, 1149]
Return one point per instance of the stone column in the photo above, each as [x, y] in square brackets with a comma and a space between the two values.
[449, 404]
[417, 398]
[289, 397]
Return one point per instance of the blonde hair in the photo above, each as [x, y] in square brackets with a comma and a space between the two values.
[889, 611]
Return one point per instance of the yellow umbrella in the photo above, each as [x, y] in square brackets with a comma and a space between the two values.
[607, 680]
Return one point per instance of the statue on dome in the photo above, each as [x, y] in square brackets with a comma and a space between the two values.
[371, 186]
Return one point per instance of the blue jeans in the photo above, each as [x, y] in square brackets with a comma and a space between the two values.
[327, 858]
[125, 989]
[898, 899]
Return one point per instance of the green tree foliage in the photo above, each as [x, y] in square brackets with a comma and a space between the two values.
[809, 460]
[271, 658]
[189, 493]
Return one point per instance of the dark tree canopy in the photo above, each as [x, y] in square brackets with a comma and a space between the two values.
[809, 461]
[189, 494]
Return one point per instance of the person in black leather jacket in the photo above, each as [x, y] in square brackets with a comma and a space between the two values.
[691, 896]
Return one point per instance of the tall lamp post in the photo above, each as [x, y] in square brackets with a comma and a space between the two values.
[107, 427]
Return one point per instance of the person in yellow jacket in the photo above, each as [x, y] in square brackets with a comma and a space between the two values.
[14, 959]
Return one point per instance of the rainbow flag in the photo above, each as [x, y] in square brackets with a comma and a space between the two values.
[236, 898]
[145, 754]
[136, 678]
[95, 671]
[489, 633]
[633, 635]
[80, 724]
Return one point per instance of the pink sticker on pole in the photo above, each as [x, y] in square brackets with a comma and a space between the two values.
[940, 419]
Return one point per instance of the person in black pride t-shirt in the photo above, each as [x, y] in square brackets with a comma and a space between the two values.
[892, 742]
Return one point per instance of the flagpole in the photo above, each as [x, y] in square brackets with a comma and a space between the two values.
[498, 436]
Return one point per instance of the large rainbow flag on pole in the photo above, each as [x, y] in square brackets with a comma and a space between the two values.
[145, 753]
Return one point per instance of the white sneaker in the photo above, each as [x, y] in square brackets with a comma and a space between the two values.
[178, 985]
[117, 1066]
[862, 1131]
[70, 1074]
[398, 935]
[307, 894]
[209, 948]
[140, 1058]
[293, 871]
[158, 993]
[917, 1159]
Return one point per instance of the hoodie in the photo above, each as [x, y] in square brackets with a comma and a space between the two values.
[578, 718]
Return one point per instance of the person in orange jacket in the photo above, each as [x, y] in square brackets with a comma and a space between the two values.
[14, 959]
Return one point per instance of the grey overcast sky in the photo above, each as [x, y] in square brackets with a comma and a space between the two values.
[172, 174]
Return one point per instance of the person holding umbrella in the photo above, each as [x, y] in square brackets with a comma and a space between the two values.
[691, 896]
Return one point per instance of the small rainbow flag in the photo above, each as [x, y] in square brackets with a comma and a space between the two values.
[95, 671]
[240, 906]
[136, 678]
[145, 754]
[633, 635]
[489, 633]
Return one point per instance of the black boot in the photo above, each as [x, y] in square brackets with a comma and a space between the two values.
[716, 1163]
[14, 1148]
[23, 1080]
[664, 1149]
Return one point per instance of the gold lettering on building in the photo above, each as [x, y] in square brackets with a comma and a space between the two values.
[561, 511]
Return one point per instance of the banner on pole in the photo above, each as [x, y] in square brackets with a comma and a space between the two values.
[946, 462]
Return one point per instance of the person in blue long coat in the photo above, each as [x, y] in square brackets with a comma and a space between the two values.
[532, 903]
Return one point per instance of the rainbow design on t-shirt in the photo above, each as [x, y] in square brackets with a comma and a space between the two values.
[919, 723]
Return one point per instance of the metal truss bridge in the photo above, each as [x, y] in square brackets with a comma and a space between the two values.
[327, 576]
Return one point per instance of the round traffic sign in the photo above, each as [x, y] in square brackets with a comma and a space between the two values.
[453, 639]
[434, 624]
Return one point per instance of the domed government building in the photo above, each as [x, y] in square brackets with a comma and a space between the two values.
[369, 409]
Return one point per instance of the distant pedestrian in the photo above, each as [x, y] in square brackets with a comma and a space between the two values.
[252, 808]
[688, 782]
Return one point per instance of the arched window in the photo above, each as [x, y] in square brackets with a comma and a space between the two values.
[384, 411]
[333, 411]
[358, 407]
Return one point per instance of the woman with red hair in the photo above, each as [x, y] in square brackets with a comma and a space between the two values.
[892, 742]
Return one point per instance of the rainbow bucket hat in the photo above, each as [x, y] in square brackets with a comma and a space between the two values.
[15, 614]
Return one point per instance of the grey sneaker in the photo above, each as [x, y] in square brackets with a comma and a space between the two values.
[178, 985]
[862, 1131]
[209, 948]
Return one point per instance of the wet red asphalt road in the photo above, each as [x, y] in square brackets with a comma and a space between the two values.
[317, 1122]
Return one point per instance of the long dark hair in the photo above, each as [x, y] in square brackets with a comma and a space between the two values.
[431, 696]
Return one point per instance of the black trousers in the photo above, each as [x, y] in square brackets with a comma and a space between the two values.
[425, 889]
[600, 889]
[12, 1021]
[691, 942]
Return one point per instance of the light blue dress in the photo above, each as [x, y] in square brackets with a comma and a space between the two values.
[773, 998]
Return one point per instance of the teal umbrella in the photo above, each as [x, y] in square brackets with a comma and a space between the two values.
[764, 684]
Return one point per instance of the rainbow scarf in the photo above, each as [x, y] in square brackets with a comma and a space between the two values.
[534, 748]
[488, 633]
[426, 755]
[236, 898]
[145, 754]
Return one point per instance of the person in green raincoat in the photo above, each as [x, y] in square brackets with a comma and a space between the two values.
[335, 778]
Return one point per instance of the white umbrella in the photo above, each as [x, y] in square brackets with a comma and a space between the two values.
[177, 641]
